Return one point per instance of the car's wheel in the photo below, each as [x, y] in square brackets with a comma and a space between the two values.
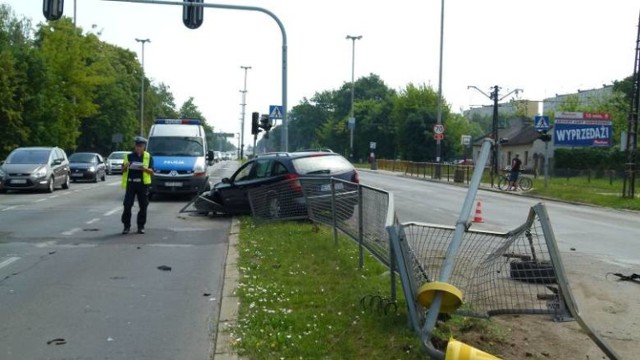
[275, 207]
[96, 178]
[65, 184]
[3, 191]
[51, 185]
[103, 177]
[525, 183]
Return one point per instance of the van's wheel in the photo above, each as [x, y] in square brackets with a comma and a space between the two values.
[51, 186]
[65, 184]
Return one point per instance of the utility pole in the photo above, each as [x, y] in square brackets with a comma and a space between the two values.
[143, 41]
[629, 186]
[439, 116]
[494, 95]
[352, 120]
[244, 104]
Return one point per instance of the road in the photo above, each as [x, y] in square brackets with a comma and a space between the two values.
[67, 273]
[594, 243]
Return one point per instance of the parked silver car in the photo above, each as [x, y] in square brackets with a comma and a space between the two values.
[114, 162]
[35, 168]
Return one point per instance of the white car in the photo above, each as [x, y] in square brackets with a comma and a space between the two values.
[114, 162]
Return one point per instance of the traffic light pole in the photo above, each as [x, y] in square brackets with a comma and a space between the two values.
[285, 132]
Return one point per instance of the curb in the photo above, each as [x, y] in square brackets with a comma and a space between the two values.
[229, 303]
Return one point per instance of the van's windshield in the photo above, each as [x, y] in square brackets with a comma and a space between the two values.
[175, 146]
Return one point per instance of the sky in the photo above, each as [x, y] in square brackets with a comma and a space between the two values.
[544, 47]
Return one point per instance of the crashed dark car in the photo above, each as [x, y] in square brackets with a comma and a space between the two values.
[231, 195]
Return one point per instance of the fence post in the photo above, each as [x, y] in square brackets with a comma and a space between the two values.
[360, 230]
[333, 211]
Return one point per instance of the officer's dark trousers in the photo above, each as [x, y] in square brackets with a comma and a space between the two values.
[139, 190]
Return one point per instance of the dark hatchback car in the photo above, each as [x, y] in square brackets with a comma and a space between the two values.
[87, 166]
[231, 195]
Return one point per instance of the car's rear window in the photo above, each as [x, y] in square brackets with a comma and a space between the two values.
[323, 164]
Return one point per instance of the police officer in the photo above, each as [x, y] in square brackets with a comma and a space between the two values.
[137, 169]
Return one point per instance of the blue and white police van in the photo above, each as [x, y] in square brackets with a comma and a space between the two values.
[180, 157]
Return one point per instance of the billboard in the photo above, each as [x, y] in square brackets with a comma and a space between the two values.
[582, 129]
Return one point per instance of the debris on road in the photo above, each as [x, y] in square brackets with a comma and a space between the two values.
[164, 268]
[57, 341]
[633, 277]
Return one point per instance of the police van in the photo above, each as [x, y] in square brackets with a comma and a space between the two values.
[180, 157]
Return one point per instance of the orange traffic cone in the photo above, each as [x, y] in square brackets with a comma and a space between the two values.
[478, 217]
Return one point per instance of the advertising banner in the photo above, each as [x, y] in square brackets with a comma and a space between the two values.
[582, 129]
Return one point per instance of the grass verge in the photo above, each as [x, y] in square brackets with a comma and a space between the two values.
[300, 297]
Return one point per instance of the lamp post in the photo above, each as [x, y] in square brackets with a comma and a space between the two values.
[352, 120]
[143, 41]
[494, 126]
[244, 104]
[239, 150]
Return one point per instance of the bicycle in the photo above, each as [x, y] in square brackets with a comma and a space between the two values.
[523, 182]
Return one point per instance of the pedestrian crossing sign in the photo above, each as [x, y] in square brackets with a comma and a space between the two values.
[275, 112]
[541, 122]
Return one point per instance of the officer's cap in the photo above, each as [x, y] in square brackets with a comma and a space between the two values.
[140, 140]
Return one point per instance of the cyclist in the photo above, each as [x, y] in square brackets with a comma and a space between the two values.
[515, 171]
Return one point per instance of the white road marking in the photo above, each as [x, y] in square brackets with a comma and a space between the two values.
[66, 193]
[114, 183]
[92, 221]
[52, 197]
[72, 231]
[45, 244]
[8, 261]
[10, 208]
[40, 200]
[111, 212]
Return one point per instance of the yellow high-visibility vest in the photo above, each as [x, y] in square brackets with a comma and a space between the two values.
[146, 178]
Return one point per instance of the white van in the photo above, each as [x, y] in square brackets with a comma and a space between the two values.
[180, 157]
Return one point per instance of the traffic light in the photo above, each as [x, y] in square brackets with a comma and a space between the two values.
[254, 123]
[52, 9]
[265, 123]
[192, 16]
[545, 137]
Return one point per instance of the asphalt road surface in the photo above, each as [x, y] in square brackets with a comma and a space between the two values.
[73, 287]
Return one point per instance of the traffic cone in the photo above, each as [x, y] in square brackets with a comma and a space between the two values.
[478, 217]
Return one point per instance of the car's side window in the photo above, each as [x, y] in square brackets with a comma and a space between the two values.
[261, 169]
[243, 173]
[278, 169]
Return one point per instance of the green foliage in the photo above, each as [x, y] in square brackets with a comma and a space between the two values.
[311, 309]
[589, 158]
[60, 86]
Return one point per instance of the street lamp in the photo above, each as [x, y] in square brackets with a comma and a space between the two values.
[352, 120]
[143, 41]
[244, 104]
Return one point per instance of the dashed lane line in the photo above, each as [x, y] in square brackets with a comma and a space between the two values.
[92, 221]
[10, 208]
[111, 212]
[72, 231]
[9, 261]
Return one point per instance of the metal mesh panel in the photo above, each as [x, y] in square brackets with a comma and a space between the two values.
[375, 207]
[498, 273]
[283, 200]
[360, 211]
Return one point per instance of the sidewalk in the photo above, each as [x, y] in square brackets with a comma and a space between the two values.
[230, 302]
